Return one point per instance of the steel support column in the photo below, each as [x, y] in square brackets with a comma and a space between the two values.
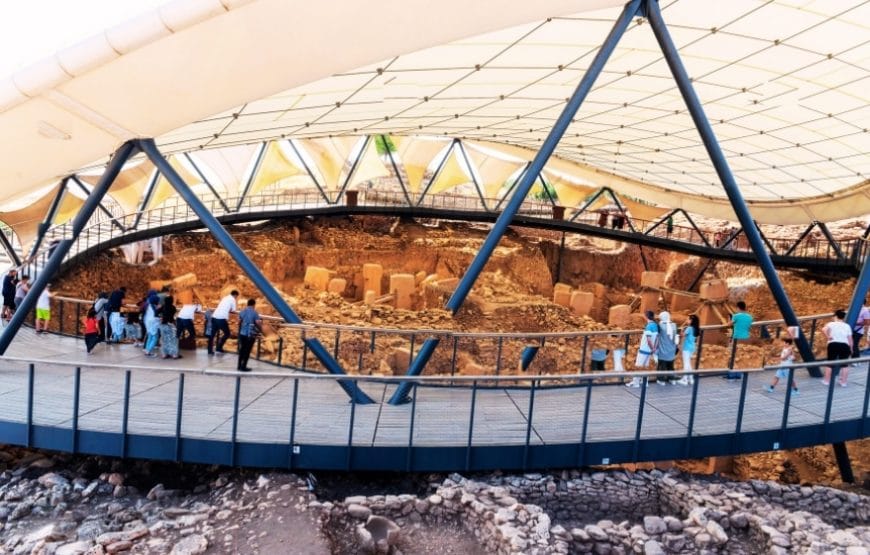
[250, 181]
[53, 263]
[49, 217]
[843, 463]
[473, 176]
[438, 169]
[206, 181]
[102, 208]
[247, 266]
[831, 241]
[724, 172]
[309, 172]
[146, 199]
[353, 167]
[860, 293]
[6, 243]
[522, 189]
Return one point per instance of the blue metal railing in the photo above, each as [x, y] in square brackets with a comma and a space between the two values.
[102, 230]
[442, 435]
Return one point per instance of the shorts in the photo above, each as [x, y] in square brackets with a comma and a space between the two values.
[43, 314]
[782, 373]
[839, 351]
[9, 301]
[597, 365]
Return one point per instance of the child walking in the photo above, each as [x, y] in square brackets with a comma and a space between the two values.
[786, 356]
[92, 330]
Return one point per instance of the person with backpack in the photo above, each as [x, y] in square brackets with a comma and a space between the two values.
[100, 309]
[666, 346]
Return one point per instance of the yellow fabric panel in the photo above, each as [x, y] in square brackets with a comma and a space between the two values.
[229, 164]
[493, 171]
[164, 189]
[331, 157]
[416, 155]
[69, 207]
[25, 221]
[274, 167]
[451, 175]
[570, 194]
[370, 166]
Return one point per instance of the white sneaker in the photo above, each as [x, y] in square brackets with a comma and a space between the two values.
[684, 380]
[633, 383]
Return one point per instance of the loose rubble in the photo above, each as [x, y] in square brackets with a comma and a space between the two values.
[48, 507]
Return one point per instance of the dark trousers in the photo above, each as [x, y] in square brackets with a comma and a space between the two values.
[91, 340]
[218, 326]
[857, 336]
[184, 325]
[246, 344]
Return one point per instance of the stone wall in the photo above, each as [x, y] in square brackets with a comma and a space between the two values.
[647, 512]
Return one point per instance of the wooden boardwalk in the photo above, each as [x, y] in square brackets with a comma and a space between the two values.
[323, 412]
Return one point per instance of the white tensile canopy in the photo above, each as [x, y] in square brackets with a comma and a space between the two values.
[784, 83]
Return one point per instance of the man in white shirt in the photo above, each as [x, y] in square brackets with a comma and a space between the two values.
[184, 321]
[839, 336]
[220, 324]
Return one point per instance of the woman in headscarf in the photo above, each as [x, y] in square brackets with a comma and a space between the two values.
[152, 322]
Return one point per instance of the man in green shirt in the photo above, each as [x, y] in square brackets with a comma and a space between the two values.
[741, 322]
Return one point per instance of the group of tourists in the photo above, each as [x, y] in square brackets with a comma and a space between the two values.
[158, 325]
[662, 340]
[14, 290]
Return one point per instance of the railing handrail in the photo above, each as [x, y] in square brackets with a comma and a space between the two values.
[307, 326]
[423, 378]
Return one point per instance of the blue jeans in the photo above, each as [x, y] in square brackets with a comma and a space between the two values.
[151, 341]
[221, 326]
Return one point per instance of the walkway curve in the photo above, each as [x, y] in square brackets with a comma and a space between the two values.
[178, 218]
[204, 412]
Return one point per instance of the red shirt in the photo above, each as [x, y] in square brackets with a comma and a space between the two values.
[91, 325]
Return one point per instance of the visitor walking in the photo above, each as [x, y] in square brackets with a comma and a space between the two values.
[862, 322]
[151, 320]
[786, 357]
[100, 308]
[116, 321]
[168, 333]
[691, 333]
[184, 322]
[669, 225]
[43, 310]
[839, 336]
[21, 290]
[92, 330]
[666, 347]
[741, 324]
[220, 326]
[249, 327]
[10, 280]
[647, 346]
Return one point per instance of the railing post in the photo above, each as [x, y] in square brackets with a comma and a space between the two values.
[581, 455]
[470, 425]
[453, 358]
[813, 333]
[280, 349]
[583, 354]
[866, 401]
[126, 414]
[179, 404]
[529, 424]
[31, 370]
[740, 404]
[409, 463]
[293, 423]
[786, 407]
[498, 355]
[639, 425]
[692, 406]
[60, 324]
[349, 460]
[235, 421]
[830, 400]
[78, 319]
[77, 381]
